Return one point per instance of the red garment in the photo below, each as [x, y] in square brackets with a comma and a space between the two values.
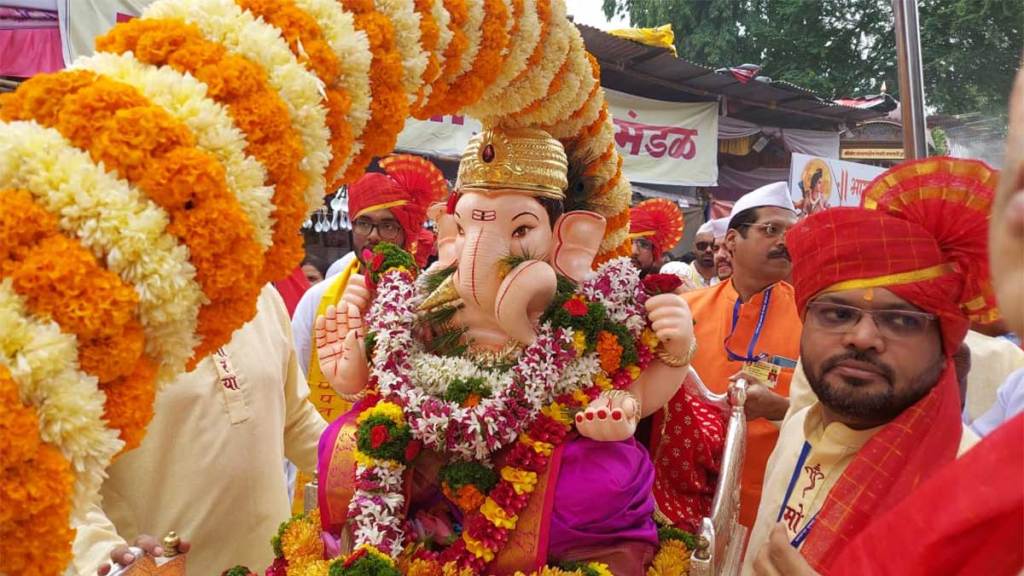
[407, 188]
[923, 236]
[967, 519]
[688, 460]
[292, 288]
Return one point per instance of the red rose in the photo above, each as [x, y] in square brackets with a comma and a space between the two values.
[412, 450]
[575, 307]
[655, 284]
[378, 436]
[378, 261]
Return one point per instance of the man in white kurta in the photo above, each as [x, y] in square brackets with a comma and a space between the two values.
[210, 465]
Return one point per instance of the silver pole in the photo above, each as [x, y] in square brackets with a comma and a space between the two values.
[908, 53]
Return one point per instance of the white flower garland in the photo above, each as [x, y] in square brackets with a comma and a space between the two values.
[239, 31]
[184, 98]
[474, 29]
[352, 48]
[521, 46]
[120, 225]
[591, 110]
[444, 22]
[406, 21]
[43, 362]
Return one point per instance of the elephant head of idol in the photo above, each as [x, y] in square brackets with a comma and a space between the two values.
[506, 235]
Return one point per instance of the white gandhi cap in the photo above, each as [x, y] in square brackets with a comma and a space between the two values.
[775, 195]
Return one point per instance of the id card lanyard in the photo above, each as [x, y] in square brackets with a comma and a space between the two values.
[750, 357]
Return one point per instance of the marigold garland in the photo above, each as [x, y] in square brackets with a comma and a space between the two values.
[42, 360]
[352, 50]
[563, 95]
[185, 98]
[489, 59]
[242, 87]
[35, 481]
[309, 45]
[430, 40]
[463, 14]
[523, 41]
[145, 145]
[390, 105]
[406, 22]
[119, 225]
[572, 128]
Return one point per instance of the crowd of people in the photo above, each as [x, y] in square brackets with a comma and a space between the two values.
[877, 441]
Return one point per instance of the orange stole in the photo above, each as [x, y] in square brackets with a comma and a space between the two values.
[712, 311]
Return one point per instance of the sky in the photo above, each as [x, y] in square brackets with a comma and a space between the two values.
[589, 12]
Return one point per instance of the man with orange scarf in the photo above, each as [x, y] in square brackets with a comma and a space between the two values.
[384, 207]
[887, 292]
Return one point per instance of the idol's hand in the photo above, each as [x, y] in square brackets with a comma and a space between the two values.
[341, 349]
[356, 293]
[611, 417]
[672, 323]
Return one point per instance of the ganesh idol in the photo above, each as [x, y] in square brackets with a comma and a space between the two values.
[497, 393]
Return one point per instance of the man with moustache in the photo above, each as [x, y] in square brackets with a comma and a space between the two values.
[750, 325]
[887, 292]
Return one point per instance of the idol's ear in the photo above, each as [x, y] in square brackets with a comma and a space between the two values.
[446, 233]
[577, 239]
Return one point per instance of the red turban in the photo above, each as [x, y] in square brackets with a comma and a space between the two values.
[921, 232]
[660, 221]
[407, 188]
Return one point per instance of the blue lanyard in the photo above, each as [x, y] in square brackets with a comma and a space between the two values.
[757, 330]
[802, 535]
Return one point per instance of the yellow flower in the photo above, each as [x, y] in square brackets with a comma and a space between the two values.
[312, 568]
[634, 371]
[388, 410]
[523, 481]
[579, 342]
[374, 551]
[557, 412]
[539, 447]
[301, 541]
[497, 516]
[580, 397]
[673, 559]
[601, 568]
[603, 382]
[649, 339]
[477, 548]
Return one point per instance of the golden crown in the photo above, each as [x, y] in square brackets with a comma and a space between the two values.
[526, 160]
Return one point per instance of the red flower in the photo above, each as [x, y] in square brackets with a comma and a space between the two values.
[278, 568]
[655, 284]
[412, 450]
[378, 436]
[575, 307]
[378, 261]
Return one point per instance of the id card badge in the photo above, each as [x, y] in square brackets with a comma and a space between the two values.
[763, 371]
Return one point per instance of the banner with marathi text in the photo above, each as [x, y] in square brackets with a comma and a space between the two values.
[820, 183]
[670, 143]
[661, 142]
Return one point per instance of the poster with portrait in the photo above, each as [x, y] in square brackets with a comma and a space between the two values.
[819, 183]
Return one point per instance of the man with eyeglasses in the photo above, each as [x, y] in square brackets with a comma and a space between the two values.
[748, 324]
[384, 207]
[887, 295]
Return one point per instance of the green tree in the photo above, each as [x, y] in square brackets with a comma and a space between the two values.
[837, 48]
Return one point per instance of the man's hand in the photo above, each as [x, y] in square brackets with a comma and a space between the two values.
[123, 555]
[778, 558]
[672, 323]
[761, 401]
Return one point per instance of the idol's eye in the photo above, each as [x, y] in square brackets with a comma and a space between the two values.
[521, 232]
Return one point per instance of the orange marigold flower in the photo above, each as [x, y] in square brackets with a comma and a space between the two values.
[430, 37]
[129, 404]
[35, 519]
[242, 87]
[468, 87]
[609, 351]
